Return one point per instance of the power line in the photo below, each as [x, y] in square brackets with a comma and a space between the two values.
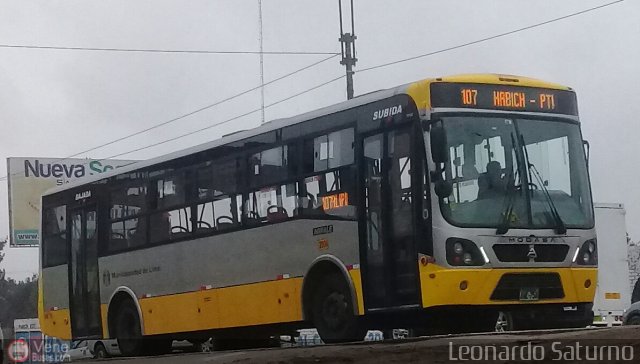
[489, 38]
[134, 50]
[275, 80]
[128, 136]
[225, 121]
[380, 66]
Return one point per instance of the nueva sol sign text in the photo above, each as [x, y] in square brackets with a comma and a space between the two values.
[29, 178]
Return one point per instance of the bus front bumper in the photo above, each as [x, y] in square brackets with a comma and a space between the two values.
[441, 286]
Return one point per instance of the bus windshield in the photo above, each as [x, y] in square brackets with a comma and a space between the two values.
[515, 172]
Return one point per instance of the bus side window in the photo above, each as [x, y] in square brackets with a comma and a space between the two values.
[272, 204]
[332, 192]
[54, 236]
[329, 151]
[127, 234]
[219, 205]
[270, 201]
[128, 227]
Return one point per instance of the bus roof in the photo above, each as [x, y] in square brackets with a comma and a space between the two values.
[236, 136]
[418, 90]
[499, 79]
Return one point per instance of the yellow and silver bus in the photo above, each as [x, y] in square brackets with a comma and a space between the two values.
[459, 201]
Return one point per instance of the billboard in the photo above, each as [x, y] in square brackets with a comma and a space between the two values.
[29, 178]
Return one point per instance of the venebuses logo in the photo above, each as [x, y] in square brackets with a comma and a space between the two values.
[18, 351]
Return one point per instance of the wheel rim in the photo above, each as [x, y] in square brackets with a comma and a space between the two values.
[334, 310]
[503, 322]
[100, 353]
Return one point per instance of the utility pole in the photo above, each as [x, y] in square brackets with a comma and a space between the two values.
[261, 60]
[348, 48]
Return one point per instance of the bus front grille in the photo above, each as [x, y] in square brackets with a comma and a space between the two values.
[513, 253]
[549, 285]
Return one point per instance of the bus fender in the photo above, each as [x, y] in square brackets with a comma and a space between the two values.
[128, 291]
[338, 264]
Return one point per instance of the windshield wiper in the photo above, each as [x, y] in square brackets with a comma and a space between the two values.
[560, 226]
[506, 214]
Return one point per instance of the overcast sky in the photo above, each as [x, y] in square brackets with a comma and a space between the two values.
[56, 103]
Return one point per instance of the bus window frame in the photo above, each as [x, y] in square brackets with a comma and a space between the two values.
[244, 151]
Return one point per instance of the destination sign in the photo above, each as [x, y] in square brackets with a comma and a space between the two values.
[334, 201]
[503, 97]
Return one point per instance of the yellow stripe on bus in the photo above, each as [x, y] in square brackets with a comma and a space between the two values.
[246, 305]
[56, 323]
[357, 285]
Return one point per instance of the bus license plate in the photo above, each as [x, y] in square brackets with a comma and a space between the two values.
[529, 294]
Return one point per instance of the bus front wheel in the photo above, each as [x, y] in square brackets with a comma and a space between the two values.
[99, 351]
[127, 330]
[333, 312]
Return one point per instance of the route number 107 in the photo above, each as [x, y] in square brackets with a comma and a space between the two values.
[469, 96]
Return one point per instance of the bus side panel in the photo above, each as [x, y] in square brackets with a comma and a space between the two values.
[55, 318]
[248, 277]
[245, 305]
[173, 313]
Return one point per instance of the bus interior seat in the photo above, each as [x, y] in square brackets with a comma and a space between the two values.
[118, 243]
[179, 231]
[276, 213]
[203, 227]
[225, 222]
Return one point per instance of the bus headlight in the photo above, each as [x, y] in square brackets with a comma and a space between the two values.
[457, 248]
[462, 252]
[588, 253]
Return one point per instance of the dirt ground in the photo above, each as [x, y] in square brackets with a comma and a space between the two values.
[608, 345]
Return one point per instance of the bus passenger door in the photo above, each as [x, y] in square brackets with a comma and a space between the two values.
[390, 271]
[83, 274]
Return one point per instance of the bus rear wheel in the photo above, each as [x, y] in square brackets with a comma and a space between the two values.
[99, 351]
[332, 311]
[127, 330]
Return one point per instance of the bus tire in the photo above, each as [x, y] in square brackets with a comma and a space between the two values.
[332, 311]
[99, 351]
[127, 330]
[503, 322]
[634, 320]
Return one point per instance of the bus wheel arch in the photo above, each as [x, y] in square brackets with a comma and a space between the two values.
[321, 267]
[329, 302]
[118, 297]
[124, 321]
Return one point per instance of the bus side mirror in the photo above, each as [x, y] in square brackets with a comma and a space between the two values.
[587, 148]
[438, 143]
